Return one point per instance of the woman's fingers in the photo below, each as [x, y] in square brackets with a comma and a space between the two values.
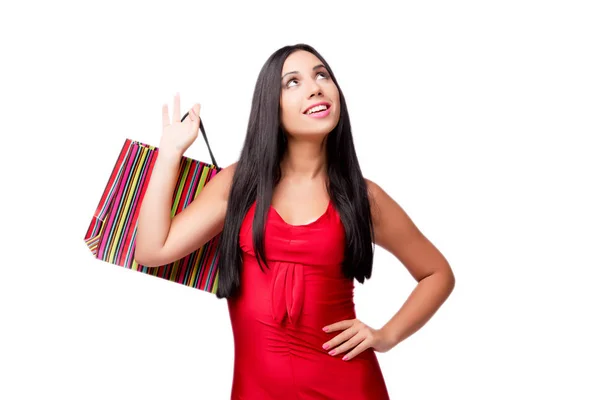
[196, 112]
[194, 116]
[178, 136]
[347, 345]
[165, 115]
[176, 109]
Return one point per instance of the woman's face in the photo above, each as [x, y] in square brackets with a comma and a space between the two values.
[306, 83]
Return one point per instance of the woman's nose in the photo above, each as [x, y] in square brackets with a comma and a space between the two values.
[314, 90]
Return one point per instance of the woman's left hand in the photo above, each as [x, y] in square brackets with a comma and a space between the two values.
[356, 336]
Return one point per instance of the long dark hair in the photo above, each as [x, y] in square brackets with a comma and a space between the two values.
[258, 172]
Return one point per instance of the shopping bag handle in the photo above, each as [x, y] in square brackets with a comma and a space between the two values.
[214, 162]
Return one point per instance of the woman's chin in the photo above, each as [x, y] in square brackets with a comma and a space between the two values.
[311, 134]
[314, 130]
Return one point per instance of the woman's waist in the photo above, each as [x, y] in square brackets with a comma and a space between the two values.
[312, 308]
[256, 327]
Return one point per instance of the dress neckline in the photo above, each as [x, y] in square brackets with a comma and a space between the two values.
[329, 206]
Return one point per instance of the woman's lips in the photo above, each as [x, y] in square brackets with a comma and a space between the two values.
[320, 114]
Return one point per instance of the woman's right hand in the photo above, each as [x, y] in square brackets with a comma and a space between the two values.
[178, 136]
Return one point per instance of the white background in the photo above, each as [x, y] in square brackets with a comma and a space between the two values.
[480, 118]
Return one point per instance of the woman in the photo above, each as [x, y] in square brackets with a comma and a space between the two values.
[297, 222]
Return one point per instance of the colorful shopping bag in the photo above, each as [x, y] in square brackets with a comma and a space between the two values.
[112, 231]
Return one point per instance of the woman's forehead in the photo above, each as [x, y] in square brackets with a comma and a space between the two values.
[300, 60]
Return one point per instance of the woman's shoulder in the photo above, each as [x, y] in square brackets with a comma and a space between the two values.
[224, 178]
[374, 191]
[380, 201]
[229, 170]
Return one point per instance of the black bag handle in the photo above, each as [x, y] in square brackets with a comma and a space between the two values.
[214, 162]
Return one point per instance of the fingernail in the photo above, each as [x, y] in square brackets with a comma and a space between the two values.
[332, 352]
[345, 358]
[326, 329]
[325, 346]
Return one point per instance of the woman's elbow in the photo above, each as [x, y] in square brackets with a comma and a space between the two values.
[143, 259]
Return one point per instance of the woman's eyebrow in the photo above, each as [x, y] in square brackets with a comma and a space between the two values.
[296, 72]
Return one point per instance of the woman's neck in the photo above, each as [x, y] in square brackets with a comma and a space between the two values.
[304, 159]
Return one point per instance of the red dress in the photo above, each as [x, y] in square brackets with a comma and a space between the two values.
[278, 317]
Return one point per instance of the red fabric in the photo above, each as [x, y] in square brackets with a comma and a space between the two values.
[278, 317]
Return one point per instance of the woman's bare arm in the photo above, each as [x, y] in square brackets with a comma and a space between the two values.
[396, 232]
[161, 239]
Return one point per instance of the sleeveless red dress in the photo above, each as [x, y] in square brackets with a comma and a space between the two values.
[278, 316]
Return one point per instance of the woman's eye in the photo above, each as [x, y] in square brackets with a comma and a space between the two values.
[323, 74]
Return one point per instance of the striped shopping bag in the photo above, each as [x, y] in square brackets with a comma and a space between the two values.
[112, 230]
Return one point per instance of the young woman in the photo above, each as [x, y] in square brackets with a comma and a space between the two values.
[298, 221]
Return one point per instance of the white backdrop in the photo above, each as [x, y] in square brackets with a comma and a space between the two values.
[480, 118]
